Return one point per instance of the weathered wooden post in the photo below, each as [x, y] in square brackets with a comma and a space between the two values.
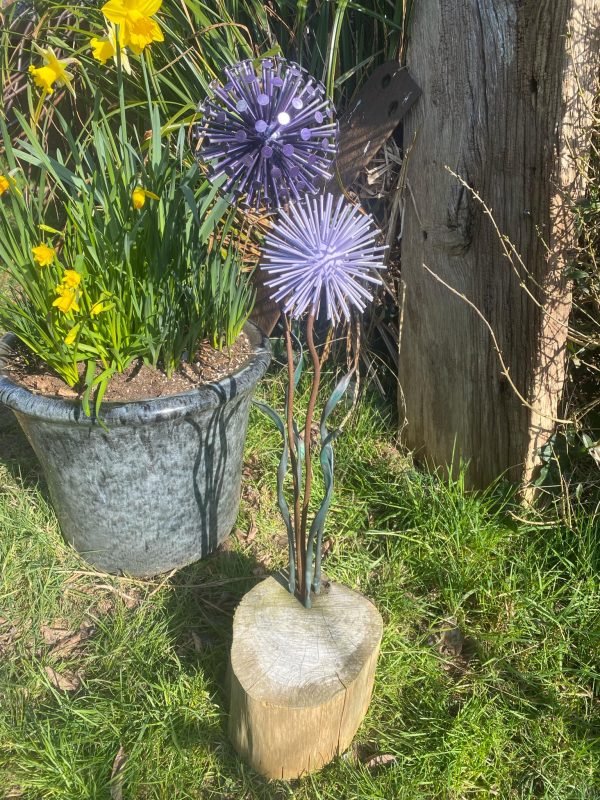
[507, 92]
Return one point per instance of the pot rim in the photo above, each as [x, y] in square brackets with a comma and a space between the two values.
[138, 412]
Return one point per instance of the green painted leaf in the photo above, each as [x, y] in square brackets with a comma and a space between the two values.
[281, 501]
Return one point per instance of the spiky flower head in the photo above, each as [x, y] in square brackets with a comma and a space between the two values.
[322, 250]
[271, 130]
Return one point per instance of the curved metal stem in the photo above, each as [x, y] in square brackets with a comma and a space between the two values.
[306, 575]
[299, 560]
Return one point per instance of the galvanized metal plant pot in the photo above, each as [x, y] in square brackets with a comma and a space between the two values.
[161, 487]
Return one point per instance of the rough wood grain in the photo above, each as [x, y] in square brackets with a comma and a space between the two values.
[507, 86]
[300, 679]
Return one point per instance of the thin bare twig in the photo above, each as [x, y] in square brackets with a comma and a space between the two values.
[512, 254]
[504, 368]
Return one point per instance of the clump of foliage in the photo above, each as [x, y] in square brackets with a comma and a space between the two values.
[108, 233]
[338, 42]
[572, 458]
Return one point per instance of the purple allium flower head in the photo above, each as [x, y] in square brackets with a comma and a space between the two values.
[322, 248]
[271, 130]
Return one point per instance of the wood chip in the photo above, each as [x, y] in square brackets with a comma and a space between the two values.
[252, 530]
[226, 546]
[380, 761]
[105, 606]
[252, 468]
[239, 535]
[117, 775]
[251, 496]
[245, 538]
[7, 638]
[327, 546]
[65, 681]
[51, 634]
[64, 642]
[132, 599]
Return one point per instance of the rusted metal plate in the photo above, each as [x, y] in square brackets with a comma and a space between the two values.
[371, 119]
[266, 311]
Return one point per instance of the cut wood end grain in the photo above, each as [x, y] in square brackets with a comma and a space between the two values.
[300, 679]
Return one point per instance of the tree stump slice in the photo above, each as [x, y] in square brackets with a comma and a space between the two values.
[300, 679]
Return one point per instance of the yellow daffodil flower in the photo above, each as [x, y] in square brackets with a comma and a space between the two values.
[4, 184]
[43, 254]
[139, 195]
[63, 78]
[97, 308]
[44, 77]
[133, 16]
[67, 300]
[72, 334]
[142, 32]
[71, 279]
[53, 70]
[123, 11]
[104, 49]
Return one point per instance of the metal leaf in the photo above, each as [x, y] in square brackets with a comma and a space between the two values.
[315, 537]
[300, 362]
[337, 394]
[299, 441]
[281, 501]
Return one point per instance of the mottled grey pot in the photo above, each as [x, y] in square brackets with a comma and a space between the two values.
[161, 487]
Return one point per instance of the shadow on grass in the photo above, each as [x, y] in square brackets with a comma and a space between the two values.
[200, 611]
[183, 703]
[17, 455]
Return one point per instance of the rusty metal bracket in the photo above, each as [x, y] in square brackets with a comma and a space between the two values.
[371, 119]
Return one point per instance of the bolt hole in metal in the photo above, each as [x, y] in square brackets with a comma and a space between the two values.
[393, 108]
[385, 81]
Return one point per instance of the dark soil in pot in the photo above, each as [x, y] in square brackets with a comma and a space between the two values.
[139, 381]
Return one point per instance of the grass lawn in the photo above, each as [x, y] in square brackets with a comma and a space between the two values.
[506, 708]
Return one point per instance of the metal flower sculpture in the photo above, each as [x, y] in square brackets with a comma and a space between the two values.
[322, 249]
[271, 130]
[317, 256]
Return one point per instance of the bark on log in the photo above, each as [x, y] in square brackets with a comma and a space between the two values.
[507, 97]
[300, 679]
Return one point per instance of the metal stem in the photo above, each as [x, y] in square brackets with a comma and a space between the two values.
[293, 453]
[303, 574]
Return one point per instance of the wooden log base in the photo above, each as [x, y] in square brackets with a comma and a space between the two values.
[300, 679]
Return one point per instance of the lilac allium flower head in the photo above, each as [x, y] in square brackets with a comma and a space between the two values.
[322, 249]
[271, 129]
